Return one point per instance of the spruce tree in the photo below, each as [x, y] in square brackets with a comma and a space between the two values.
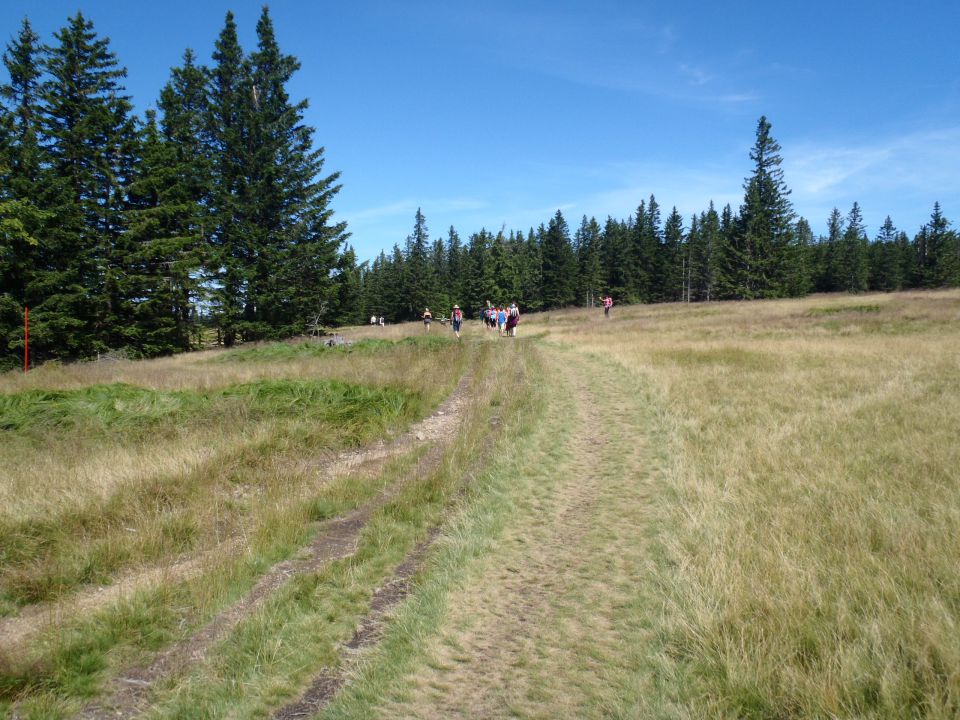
[516, 283]
[884, 263]
[850, 260]
[670, 283]
[232, 253]
[559, 265]
[372, 288]
[766, 223]
[482, 286]
[799, 273]
[274, 241]
[346, 302]
[939, 263]
[418, 277]
[440, 297]
[20, 187]
[829, 276]
[184, 107]
[395, 300]
[647, 281]
[615, 256]
[703, 250]
[503, 269]
[164, 247]
[532, 276]
[590, 286]
[457, 269]
[729, 257]
[91, 139]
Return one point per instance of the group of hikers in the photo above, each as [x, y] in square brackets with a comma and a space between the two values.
[503, 319]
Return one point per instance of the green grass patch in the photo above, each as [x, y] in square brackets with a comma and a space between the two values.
[44, 556]
[118, 410]
[279, 352]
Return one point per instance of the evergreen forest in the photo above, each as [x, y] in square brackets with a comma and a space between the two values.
[211, 220]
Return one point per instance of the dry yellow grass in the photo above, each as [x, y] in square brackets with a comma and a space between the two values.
[732, 510]
[812, 498]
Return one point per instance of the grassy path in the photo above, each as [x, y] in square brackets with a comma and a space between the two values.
[550, 622]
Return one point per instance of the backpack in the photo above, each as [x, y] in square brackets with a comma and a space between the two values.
[514, 312]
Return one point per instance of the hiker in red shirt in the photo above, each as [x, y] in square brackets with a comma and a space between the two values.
[607, 304]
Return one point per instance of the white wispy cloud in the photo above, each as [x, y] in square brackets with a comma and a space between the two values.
[408, 207]
[900, 175]
[622, 51]
[695, 75]
[919, 159]
[380, 212]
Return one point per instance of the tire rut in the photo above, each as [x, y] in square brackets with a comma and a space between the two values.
[128, 694]
[328, 680]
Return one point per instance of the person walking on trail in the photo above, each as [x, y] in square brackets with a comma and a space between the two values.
[513, 319]
[501, 320]
[427, 319]
[607, 304]
[456, 320]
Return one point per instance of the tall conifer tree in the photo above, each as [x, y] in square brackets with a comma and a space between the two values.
[671, 279]
[91, 139]
[20, 186]
[227, 130]
[590, 272]
[851, 256]
[766, 222]
[559, 265]
[164, 249]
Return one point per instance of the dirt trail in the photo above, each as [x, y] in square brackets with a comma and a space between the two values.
[329, 680]
[128, 695]
[541, 630]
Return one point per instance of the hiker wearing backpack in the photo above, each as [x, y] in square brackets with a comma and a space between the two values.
[513, 319]
[607, 304]
[456, 320]
[427, 319]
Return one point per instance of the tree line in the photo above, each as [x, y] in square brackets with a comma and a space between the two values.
[211, 218]
[761, 250]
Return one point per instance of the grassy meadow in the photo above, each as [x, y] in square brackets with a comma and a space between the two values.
[730, 510]
[807, 520]
[111, 472]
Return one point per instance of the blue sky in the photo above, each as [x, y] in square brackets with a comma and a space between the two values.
[499, 113]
